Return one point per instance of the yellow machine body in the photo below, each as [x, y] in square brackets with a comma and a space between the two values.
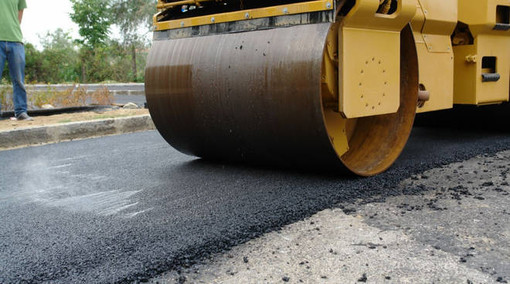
[433, 24]
[482, 60]
[319, 83]
[369, 46]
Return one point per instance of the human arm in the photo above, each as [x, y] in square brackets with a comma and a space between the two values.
[20, 15]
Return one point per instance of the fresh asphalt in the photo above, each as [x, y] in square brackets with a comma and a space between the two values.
[127, 208]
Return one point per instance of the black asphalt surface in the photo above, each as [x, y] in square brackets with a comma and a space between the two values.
[127, 208]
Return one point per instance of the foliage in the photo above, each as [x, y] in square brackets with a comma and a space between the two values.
[56, 63]
[101, 96]
[61, 61]
[120, 64]
[33, 65]
[6, 97]
[73, 96]
[97, 55]
[93, 19]
[133, 17]
[59, 57]
[111, 63]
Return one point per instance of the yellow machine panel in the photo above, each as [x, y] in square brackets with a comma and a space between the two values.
[434, 22]
[482, 52]
[369, 73]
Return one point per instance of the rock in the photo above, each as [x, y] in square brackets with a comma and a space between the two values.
[47, 106]
[130, 106]
[363, 278]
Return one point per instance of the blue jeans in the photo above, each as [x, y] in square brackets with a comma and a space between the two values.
[14, 53]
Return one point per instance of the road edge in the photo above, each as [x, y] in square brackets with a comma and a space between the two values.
[32, 136]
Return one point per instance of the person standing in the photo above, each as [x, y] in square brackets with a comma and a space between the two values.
[13, 51]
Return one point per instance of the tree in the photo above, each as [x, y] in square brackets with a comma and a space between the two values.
[102, 58]
[59, 50]
[93, 20]
[134, 19]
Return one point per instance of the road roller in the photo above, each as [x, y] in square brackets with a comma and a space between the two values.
[319, 83]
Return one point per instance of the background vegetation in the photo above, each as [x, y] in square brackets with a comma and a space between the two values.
[95, 57]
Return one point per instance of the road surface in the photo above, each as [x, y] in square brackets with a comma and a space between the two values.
[128, 208]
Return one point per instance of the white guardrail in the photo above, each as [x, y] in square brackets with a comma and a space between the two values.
[115, 89]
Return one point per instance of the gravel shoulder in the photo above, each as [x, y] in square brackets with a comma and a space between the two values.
[453, 227]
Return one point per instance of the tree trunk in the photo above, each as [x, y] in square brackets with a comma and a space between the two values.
[133, 57]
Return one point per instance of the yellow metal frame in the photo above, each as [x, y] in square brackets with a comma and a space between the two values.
[335, 123]
[290, 9]
[163, 5]
[369, 58]
[434, 22]
[469, 88]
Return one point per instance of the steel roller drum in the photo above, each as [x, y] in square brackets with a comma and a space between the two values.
[252, 96]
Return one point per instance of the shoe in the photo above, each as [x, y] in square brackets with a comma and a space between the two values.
[23, 116]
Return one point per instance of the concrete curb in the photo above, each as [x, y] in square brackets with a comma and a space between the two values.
[74, 130]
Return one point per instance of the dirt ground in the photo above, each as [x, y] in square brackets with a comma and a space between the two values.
[8, 124]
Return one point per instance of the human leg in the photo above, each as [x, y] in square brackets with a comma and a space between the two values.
[16, 61]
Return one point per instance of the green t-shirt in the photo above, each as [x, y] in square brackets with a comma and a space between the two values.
[10, 29]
